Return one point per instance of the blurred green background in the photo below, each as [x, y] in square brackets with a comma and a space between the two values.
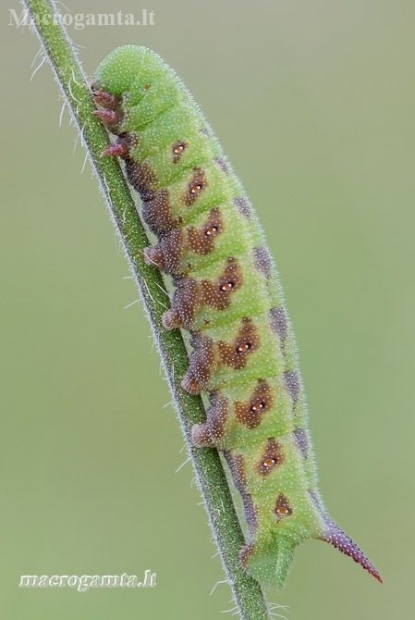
[314, 104]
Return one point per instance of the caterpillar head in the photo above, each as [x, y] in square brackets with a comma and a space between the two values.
[118, 70]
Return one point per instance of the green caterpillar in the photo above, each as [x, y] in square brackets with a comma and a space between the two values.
[228, 297]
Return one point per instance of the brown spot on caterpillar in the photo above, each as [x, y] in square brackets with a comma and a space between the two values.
[183, 305]
[213, 431]
[201, 364]
[250, 413]
[167, 254]
[157, 213]
[263, 261]
[195, 187]
[282, 507]
[279, 323]
[223, 164]
[235, 355]
[301, 440]
[177, 150]
[272, 457]
[243, 205]
[293, 384]
[217, 294]
[201, 240]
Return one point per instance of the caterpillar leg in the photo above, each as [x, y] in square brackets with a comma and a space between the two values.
[211, 433]
[269, 562]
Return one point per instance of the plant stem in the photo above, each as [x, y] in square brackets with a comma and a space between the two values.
[209, 471]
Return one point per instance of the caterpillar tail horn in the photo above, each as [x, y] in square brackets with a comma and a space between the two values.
[341, 541]
[270, 563]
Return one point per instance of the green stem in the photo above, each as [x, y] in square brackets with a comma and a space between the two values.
[209, 471]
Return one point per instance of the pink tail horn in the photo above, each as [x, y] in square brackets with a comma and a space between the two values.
[336, 537]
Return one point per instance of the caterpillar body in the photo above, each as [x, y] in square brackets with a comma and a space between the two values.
[228, 297]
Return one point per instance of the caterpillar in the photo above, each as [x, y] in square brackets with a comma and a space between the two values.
[228, 298]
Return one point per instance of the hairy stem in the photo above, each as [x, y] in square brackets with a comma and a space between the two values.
[209, 471]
